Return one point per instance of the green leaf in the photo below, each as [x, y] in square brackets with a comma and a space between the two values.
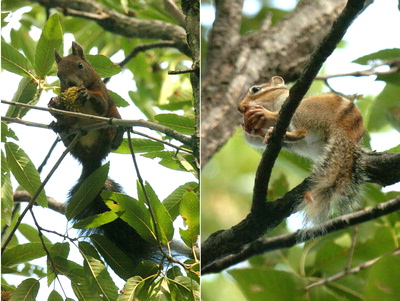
[31, 233]
[24, 171]
[168, 159]
[268, 284]
[118, 100]
[184, 288]
[87, 191]
[27, 290]
[7, 132]
[393, 79]
[12, 60]
[99, 276]
[7, 199]
[120, 263]
[382, 55]
[165, 227]
[25, 94]
[60, 249]
[180, 100]
[87, 249]
[130, 288]
[382, 280]
[103, 65]
[21, 39]
[22, 253]
[384, 109]
[173, 201]
[55, 296]
[68, 268]
[96, 220]
[190, 212]
[50, 39]
[140, 145]
[135, 214]
[182, 124]
[84, 290]
[146, 269]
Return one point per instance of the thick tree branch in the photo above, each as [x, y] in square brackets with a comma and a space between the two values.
[225, 32]
[263, 245]
[121, 24]
[264, 215]
[191, 9]
[22, 196]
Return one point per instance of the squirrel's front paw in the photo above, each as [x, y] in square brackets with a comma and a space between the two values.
[254, 120]
[83, 95]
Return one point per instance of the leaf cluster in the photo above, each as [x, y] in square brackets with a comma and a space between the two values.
[161, 98]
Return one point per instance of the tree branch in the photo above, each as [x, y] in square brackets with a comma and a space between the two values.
[263, 245]
[22, 196]
[354, 270]
[121, 24]
[265, 215]
[105, 122]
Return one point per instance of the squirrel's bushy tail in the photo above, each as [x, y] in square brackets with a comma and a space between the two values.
[335, 181]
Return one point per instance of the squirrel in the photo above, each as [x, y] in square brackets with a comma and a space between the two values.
[326, 128]
[82, 90]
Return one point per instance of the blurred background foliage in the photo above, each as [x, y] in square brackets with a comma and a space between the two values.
[227, 183]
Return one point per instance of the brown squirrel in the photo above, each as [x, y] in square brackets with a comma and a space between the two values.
[81, 85]
[326, 128]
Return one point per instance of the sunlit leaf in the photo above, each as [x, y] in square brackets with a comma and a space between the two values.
[24, 171]
[50, 39]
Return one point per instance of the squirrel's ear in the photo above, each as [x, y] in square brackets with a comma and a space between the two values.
[77, 50]
[276, 81]
[57, 56]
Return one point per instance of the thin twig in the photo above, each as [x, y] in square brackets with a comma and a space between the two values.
[263, 245]
[83, 14]
[352, 247]
[162, 141]
[140, 179]
[368, 72]
[58, 139]
[152, 214]
[354, 270]
[141, 48]
[172, 72]
[35, 196]
[115, 122]
[53, 266]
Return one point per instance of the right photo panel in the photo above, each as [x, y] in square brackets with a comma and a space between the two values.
[300, 150]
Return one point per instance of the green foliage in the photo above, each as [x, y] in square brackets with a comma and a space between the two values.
[50, 39]
[24, 171]
[87, 191]
[227, 184]
[162, 98]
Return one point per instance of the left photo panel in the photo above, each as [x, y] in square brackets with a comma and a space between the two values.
[100, 150]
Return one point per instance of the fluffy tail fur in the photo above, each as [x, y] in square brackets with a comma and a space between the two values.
[335, 181]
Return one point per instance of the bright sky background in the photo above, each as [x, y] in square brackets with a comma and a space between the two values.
[36, 143]
[371, 32]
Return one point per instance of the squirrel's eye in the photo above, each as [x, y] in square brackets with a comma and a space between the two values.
[255, 89]
[80, 65]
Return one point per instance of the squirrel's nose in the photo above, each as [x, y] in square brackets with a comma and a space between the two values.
[242, 107]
